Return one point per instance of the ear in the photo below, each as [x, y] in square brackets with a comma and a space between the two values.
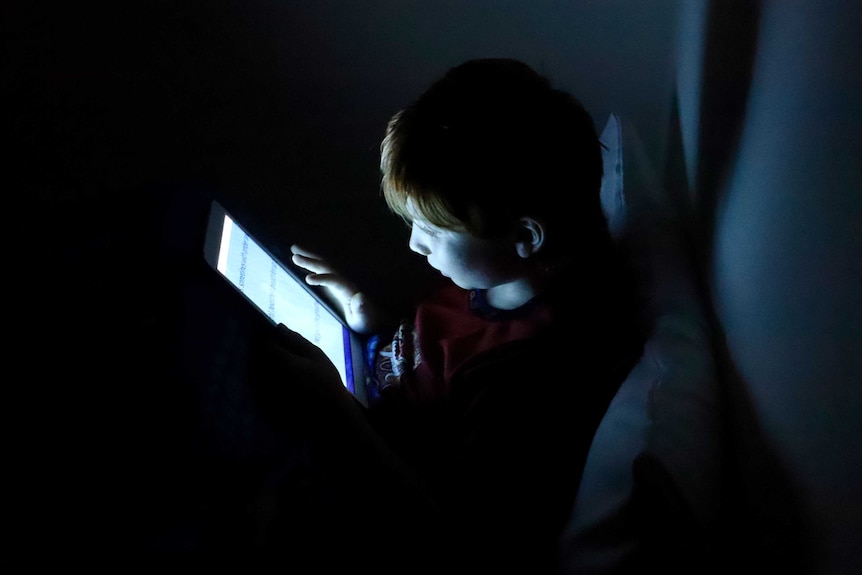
[529, 236]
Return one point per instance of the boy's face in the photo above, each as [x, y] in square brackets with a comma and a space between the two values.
[470, 262]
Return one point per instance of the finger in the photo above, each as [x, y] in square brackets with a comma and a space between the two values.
[297, 249]
[336, 285]
[301, 362]
[328, 280]
[312, 264]
[291, 341]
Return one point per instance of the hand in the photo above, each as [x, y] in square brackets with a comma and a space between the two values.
[362, 315]
[293, 356]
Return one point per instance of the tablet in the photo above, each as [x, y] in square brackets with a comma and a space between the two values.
[282, 295]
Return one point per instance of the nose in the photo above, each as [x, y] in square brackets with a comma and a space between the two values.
[417, 242]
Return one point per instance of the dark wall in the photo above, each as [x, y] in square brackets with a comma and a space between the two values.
[280, 107]
[787, 276]
[771, 116]
[277, 108]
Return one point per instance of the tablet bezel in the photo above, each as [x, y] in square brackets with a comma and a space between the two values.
[354, 368]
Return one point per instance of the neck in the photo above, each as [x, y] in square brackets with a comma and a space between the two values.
[514, 294]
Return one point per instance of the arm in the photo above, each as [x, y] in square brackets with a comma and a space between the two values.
[373, 508]
[292, 358]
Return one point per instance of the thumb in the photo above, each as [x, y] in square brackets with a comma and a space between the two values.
[297, 345]
[358, 303]
[363, 314]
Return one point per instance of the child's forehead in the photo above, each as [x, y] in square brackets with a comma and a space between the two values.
[417, 218]
[429, 214]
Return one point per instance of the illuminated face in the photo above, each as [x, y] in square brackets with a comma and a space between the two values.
[470, 262]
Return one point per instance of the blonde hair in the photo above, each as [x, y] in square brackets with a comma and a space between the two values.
[399, 185]
[490, 142]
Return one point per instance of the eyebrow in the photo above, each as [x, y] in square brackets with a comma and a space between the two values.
[423, 225]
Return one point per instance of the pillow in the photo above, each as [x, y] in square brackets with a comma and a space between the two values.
[612, 197]
[652, 474]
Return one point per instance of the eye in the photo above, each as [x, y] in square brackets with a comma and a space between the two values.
[428, 231]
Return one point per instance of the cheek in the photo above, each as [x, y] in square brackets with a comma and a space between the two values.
[462, 262]
[490, 262]
[443, 257]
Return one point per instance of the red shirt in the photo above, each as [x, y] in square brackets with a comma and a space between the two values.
[449, 330]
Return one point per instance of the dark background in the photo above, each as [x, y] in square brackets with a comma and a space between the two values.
[277, 108]
[136, 433]
[280, 106]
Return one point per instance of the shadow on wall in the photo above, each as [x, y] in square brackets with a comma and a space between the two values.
[763, 518]
[731, 38]
[109, 99]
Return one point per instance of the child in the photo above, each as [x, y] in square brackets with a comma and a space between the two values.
[492, 391]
